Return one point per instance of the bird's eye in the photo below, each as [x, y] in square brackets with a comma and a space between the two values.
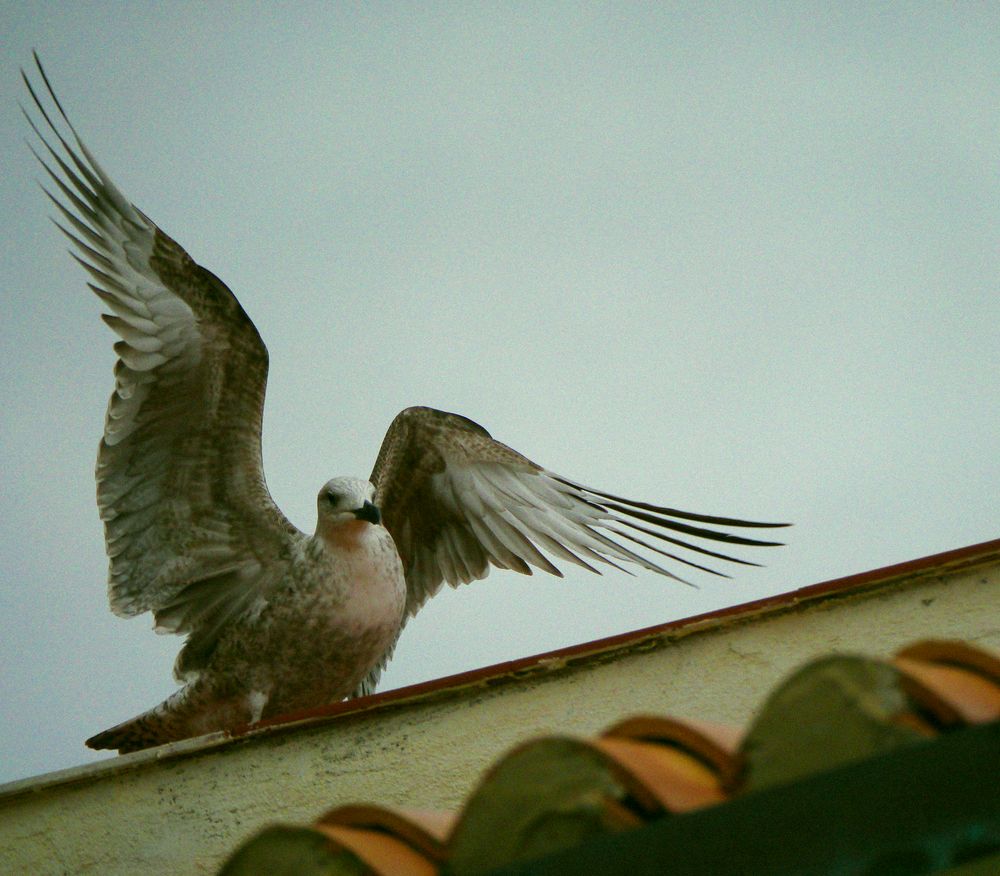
[332, 498]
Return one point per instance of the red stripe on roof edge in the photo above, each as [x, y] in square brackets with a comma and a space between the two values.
[964, 556]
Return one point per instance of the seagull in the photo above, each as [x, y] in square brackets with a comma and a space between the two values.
[277, 620]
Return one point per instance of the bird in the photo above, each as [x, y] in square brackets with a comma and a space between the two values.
[277, 620]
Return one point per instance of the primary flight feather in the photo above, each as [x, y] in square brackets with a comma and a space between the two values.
[277, 620]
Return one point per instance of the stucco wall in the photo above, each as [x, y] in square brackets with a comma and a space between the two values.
[181, 809]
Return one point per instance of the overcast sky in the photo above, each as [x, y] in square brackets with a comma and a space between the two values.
[740, 261]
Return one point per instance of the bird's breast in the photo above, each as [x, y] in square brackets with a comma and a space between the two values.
[353, 583]
[326, 624]
[373, 588]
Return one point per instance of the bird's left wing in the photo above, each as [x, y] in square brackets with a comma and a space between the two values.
[191, 529]
[456, 502]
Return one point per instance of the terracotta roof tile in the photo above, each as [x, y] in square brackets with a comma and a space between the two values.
[830, 712]
[542, 796]
[660, 778]
[952, 653]
[381, 852]
[716, 745]
[553, 793]
[953, 695]
[424, 830]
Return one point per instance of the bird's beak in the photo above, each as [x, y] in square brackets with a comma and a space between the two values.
[368, 512]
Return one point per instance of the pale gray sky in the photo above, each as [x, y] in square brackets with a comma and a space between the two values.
[741, 260]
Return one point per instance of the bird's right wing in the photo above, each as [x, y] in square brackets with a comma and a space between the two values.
[188, 520]
[456, 502]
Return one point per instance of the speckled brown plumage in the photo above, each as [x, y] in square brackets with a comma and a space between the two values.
[277, 620]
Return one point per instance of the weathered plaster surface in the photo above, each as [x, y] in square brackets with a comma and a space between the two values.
[181, 809]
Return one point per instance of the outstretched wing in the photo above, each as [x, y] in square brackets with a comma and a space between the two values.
[456, 502]
[188, 519]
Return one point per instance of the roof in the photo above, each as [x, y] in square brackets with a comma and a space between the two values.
[610, 647]
[427, 746]
[558, 792]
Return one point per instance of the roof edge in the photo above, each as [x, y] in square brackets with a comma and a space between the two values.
[850, 585]
[498, 673]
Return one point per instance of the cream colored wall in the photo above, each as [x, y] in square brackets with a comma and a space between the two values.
[182, 815]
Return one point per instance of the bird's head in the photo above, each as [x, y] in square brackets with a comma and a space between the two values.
[345, 509]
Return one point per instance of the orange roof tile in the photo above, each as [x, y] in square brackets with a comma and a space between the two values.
[381, 852]
[554, 792]
[426, 831]
[660, 778]
[716, 745]
[954, 695]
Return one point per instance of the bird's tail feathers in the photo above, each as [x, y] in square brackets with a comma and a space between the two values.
[186, 713]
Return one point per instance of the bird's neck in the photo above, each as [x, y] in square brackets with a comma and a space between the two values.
[344, 536]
